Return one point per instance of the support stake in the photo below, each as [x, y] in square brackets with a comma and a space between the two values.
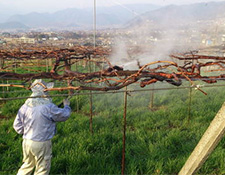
[189, 106]
[152, 98]
[77, 97]
[124, 131]
[206, 145]
[91, 107]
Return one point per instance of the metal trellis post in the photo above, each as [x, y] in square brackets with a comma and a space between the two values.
[124, 132]
[152, 98]
[91, 106]
[189, 106]
[77, 97]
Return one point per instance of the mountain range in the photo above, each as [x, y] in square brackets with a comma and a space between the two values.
[173, 15]
[13, 25]
[83, 18]
[119, 16]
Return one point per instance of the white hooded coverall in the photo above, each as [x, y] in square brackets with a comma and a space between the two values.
[36, 120]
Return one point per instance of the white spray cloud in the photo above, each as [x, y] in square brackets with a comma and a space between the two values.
[155, 41]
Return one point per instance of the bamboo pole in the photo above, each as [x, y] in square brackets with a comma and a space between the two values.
[12, 85]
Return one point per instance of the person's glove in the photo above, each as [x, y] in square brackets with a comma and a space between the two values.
[66, 102]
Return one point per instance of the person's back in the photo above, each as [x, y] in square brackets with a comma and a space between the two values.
[39, 121]
[36, 120]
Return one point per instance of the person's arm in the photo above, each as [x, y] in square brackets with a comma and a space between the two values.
[18, 124]
[60, 114]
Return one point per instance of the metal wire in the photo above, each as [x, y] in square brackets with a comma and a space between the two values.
[109, 92]
[4, 92]
[13, 92]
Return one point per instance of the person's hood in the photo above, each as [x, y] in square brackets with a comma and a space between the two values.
[38, 87]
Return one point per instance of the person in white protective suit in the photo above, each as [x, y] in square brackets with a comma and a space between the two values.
[36, 121]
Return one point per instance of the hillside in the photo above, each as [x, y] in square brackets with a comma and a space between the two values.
[106, 16]
[13, 25]
[183, 14]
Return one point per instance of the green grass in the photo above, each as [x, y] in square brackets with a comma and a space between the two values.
[158, 141]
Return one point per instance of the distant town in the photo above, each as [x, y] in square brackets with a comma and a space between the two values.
[171, 28]
[110, 37]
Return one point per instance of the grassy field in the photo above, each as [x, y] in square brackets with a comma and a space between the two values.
[158, 141]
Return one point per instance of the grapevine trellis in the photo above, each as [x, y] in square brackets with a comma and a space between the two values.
[113, 77]
[62, 65]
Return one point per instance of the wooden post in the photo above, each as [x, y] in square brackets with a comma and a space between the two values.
[3, 90]
[91, 113]
[15, 62]
[152, 98]
[7, 88]
[51, 62]
[1, 63]
[94, 67]
[124, 132]
[206, 145]
[77, 97]
[102, 65]
[189, 106]
[91, 106]
[46, 64]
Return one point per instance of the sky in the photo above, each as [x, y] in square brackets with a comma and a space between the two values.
[27, 6]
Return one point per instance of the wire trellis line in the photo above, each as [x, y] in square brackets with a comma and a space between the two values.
[129, 91]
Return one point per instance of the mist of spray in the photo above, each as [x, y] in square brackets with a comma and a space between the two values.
[155, 41]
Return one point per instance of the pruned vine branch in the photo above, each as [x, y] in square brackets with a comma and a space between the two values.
[115, 77]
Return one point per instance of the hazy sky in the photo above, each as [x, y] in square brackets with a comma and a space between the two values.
[26, 6]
